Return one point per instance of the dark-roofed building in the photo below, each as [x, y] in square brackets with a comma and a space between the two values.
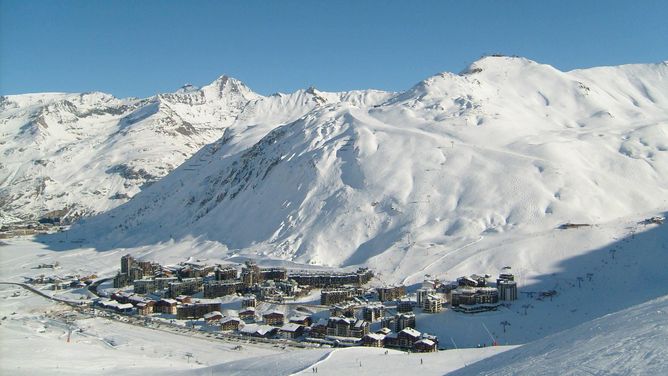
[248, 314]
[230, 323]
[373, 340]
[291, 331]
[276, 318]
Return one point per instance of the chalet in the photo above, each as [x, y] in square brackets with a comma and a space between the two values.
[301, 320]
[319, 329]
[167, 306]
[248, 314]
[405, 339]
[121, 297]
[212, 316]
[116, 306]
[145, 308]
[425, 345]
[184, 299]
[373, 340]
[347, 327]
[275, 318]
[291, 331]
[255, 330]
[230, 323]
[136, 299]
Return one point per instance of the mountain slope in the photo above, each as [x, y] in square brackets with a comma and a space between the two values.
[80, 154]
[508, 145]
[629, 342]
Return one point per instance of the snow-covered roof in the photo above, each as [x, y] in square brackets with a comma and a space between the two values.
[384, 331]
[411, 332]
[427, 342]
[290, 327]
[250, 328]
[376, 336]
[212, 314]
[229, 319]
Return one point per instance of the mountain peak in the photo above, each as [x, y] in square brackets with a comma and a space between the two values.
[497, 62]
[226, 86]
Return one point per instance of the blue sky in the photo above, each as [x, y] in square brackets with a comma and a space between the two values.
[139, 48]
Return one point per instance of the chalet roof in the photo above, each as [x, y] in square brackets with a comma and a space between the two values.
[290, 327]
[411, 332]
[250, 328]
[341, 319]
[248, 310]
[427, 342]
[264, 329]
[384, 331]
[376, 336]
[212, 314]
[299, 318]
[274, 312]
[230, 319]
[170, 301]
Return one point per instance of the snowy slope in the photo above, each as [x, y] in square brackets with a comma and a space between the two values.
[80, 154]
[509, 145]
[630, 342]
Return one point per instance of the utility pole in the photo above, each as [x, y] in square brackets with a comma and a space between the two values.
[504, 324]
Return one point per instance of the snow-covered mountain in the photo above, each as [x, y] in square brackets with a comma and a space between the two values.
[629, 342]
[507, 145]
[80, 154]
